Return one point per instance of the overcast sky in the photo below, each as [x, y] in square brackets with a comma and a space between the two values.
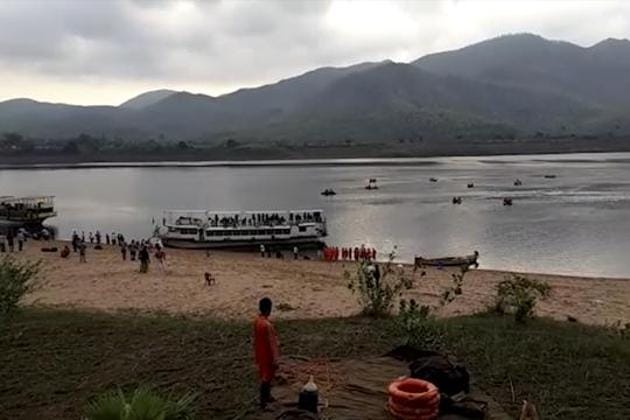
[104, 52]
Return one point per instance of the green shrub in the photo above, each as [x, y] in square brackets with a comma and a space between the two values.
[518, 295]
[377, 288]
[416, 327]
[455, 289]
[17, 279]
[142, 404]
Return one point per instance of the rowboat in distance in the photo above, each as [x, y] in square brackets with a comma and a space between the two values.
[465, 261]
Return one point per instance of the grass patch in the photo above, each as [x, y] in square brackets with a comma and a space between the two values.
[52, 362]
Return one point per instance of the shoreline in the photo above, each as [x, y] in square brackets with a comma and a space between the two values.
[302, 289]
[202, 162]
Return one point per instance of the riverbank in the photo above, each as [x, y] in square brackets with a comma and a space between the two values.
[53, 362]
[302, 289]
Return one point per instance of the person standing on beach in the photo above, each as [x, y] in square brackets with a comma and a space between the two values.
[10, 241]
[133, 248]
[20, 239]
[266, 350]
[262, 250]
[295, 252]
[91, 236]
[82, 248]
[143, 256]
[107, 241]
[123, 250]
[97, 236]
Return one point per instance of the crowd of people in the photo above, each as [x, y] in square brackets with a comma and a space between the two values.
[137, 250]
[361, 253]
[255, 219]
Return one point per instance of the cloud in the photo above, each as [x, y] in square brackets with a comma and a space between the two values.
[110, 50]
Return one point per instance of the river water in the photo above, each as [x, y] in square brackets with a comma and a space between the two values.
[577, 223]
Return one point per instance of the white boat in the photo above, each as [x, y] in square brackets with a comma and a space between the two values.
[203, 229]
[26, 211]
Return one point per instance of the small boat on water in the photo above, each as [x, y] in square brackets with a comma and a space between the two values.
[371, 184]
[26, 211]
[433, 179]
[471, 185]
[465, 261]
[457, 200]
[205, 229]
[551, 176]
[507, 201]
[328, 191]
[518, 183]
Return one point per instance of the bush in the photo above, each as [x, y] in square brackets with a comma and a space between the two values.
[378, 288]
[455, 290]
[518, 295]
[142, 404]
[17, 279]
[416, 328]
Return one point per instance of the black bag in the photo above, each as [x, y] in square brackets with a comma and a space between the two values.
[449, 377]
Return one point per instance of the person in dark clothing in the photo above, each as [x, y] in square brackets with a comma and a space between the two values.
[123, 250]
[143, 256]
[107, 241]
[10, 241]
[97, 236]
[133, 248]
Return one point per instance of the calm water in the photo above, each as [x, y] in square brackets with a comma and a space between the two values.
[578, 223]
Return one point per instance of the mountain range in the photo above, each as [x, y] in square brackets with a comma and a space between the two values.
[512, 86]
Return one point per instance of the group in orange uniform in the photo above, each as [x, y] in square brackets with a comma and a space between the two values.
[349, 254]
[266, 350]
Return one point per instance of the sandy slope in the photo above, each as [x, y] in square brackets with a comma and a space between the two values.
[312, 288]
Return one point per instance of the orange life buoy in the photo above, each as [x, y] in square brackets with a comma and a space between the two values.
[413, 399]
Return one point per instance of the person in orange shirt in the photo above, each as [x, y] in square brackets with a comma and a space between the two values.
[266, 350]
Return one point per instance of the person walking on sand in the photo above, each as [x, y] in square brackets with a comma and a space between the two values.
[20, 239]
[82, 248]
[10, 241]
[266, 350]
[160, 256]
[91, 236]
[97, 236]
[123, 250]
[143, 256]
[295, 252]
[262, 251]
[133, 248]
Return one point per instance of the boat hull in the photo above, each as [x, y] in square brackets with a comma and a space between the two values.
[466, 261]
[309, 242]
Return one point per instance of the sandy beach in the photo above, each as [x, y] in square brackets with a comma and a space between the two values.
[300, 289]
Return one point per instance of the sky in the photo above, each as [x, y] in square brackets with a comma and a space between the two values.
[106, 51]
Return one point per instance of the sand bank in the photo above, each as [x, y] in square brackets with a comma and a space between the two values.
[300, 289]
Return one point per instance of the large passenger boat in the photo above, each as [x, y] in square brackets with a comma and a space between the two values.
[204, 229]
[26, 211]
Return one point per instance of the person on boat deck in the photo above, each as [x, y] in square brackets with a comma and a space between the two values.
[266, 350]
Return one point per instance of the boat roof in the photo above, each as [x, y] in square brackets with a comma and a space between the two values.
[27, 198]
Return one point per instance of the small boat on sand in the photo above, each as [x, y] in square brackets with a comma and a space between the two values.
[328, 191]
[465, 261]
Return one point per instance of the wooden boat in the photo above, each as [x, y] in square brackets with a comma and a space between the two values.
[518, 183]
[433, 179]
[371, 184]
[550, 176]
[457, 200]
[26, 211]
[507, 201]
[465, 261]
[471, 185]
[328, 192]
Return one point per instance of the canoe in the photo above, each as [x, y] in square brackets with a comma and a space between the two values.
[466, 261]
